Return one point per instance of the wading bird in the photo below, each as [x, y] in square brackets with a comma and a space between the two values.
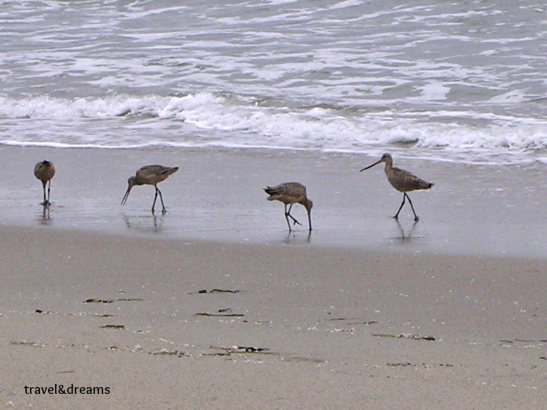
[403, 181]
[44, 171]
[150, 175]
[291, 193]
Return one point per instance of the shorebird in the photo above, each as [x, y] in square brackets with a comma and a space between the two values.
[291, 193]
[44, 171]
[403, 181]
[150, 175]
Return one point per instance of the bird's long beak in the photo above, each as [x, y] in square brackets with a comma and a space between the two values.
[309, 220]
[370, 166]
[124, 200]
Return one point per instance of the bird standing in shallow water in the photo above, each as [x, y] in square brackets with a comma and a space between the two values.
[150, 175]
[45, 171]
[403, 181]
[291, 193]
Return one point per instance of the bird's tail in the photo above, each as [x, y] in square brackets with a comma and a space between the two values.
[170, 171]
[271, 190]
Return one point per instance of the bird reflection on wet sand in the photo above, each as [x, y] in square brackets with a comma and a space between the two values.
[43, 217]
[293, 238]
[142, 224]
[405, 237]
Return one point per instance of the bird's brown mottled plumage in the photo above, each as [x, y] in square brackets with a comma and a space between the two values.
[150, 175]
[403, 181]
[45, 171]
[291, 193]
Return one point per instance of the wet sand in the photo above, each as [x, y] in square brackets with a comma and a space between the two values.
[215, 306]
[217, 196]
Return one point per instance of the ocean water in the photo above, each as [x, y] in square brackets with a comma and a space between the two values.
[436, 79]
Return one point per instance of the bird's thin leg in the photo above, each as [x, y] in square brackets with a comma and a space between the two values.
[292, 217]
[163, 210]
[416, 219]
[48, 191]
[155, 197]
[287, 218]
[401, 207]
[45, 198]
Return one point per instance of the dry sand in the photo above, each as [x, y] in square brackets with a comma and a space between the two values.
[214, 306]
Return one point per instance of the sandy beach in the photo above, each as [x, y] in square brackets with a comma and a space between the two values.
[215, 305]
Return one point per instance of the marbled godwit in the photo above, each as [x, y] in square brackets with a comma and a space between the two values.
[403, 181]
[150, 175]
[44, 171]
[291, 193]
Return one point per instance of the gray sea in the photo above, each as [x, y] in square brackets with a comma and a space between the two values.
[436, 79]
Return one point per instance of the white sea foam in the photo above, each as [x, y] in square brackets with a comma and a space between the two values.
[215, 120]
